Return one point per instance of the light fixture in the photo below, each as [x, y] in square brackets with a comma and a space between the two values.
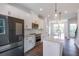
[59, 15]
[58, 19]
[56, 15]
[56, 10]
[41, 9]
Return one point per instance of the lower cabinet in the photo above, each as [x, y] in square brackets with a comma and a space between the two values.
[29, 43]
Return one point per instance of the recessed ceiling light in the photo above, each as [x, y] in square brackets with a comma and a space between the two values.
[41, 9]
[56, 15]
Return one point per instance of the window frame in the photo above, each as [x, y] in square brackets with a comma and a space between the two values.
[3, 26]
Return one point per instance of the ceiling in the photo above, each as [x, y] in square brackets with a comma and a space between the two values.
[68, 10]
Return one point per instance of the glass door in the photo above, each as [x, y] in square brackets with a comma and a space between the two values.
[73, 28]
[57, 30]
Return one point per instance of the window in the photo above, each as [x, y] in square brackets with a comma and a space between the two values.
[2, 26]
[73, 28]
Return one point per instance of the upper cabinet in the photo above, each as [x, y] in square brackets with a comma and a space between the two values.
[38, 23]
[35, 26]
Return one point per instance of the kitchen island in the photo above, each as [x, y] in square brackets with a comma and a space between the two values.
[52, 47]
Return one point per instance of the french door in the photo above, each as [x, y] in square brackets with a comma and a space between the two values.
[57, 30]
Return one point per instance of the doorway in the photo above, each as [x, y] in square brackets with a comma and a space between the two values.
[72, 30]
[57, 30]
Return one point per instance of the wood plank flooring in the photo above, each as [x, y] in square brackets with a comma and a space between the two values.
[70, 49]
[36, 51]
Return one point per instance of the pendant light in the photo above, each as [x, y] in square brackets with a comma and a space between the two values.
[56, 10]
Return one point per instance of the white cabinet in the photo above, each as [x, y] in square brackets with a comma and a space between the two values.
[25, 45]
[29, 43]
[52, 48]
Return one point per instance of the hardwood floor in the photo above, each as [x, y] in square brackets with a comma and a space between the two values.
[36, 51]
[69, 49]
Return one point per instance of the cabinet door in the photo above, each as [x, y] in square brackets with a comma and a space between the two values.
[16, 29]
[31, 42]
[26, 45]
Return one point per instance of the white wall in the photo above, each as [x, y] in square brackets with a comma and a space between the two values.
[3, 9]
[73, 20]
